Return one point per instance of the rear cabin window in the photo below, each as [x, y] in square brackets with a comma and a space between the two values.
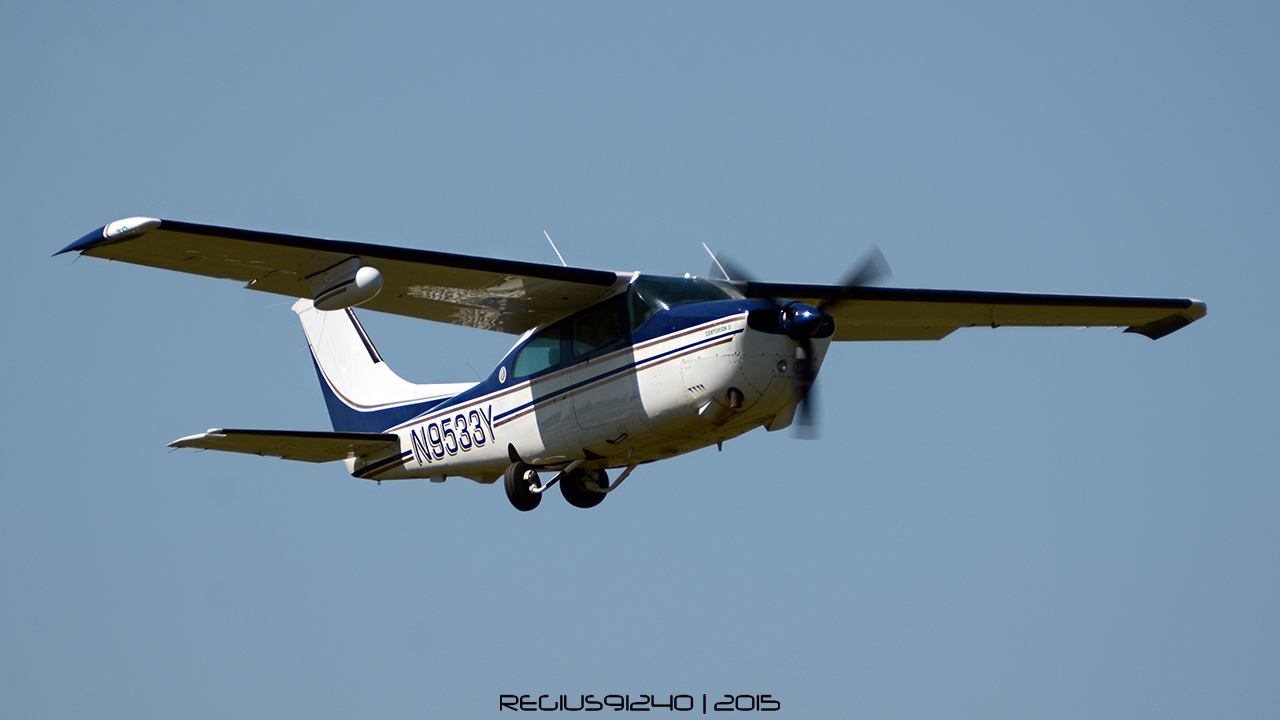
[540, 353]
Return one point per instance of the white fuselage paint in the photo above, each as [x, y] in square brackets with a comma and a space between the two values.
[634, 405]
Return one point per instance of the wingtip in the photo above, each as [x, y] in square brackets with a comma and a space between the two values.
[113, 232]
[189, 440]
[87, 241]
[1196, 309]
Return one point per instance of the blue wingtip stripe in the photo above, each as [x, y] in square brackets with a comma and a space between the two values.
[86, 242]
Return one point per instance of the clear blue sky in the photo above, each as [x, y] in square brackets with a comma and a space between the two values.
[1003, 524]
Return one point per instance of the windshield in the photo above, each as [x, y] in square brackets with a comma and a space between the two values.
[648, 294]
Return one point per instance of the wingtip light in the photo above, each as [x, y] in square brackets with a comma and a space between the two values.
[128, 227]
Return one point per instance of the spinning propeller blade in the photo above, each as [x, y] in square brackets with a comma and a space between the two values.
[800, 321]
[870, 270]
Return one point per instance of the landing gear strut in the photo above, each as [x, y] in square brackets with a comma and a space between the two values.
[520, 481]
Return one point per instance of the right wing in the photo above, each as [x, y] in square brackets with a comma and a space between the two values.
[487, 293]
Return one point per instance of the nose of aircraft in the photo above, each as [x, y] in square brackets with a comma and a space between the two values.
[800, 321]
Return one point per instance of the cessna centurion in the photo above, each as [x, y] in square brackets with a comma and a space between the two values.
[612, 370]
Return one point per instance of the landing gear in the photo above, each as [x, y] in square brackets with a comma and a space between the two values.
[581, 488]
[517, 481]
[576, 491]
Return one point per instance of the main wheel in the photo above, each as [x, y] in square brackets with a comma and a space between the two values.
[574, 488]
[517, 484]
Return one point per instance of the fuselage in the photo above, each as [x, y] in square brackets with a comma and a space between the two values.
[669, 366]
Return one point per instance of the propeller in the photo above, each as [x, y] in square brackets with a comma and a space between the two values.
[801, 321]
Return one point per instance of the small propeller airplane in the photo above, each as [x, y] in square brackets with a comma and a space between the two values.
[611, 370]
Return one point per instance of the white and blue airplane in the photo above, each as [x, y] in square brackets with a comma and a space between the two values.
[611, 370]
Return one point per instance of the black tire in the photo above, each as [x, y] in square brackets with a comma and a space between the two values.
[518, 492]
[573, 487]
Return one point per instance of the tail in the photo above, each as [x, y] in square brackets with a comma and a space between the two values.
[362, 393]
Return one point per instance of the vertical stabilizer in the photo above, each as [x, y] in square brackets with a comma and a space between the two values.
[362, 393]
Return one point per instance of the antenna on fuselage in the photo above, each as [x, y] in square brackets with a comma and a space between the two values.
[717, 262]
[553, 247]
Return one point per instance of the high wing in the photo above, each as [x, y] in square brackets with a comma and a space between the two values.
[504, 295]
[314, 447]
[873, 313]
[512, 296]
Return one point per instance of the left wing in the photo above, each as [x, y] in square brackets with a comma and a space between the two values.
[314, 447]
[876, 313]
[504, 295]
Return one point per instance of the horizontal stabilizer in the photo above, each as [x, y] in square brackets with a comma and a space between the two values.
[291, 445]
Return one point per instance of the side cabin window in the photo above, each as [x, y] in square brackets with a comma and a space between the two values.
[579, 337]
[607, 326]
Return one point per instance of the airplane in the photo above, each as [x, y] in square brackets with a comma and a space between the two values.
[612, 370]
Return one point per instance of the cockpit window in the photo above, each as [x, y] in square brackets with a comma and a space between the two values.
[597, 328]
[602, 328]
[650, 293]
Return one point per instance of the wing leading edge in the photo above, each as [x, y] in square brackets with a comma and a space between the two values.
[504, 295]
[873, 313]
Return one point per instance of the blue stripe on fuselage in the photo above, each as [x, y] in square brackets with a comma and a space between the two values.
[629, 366]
